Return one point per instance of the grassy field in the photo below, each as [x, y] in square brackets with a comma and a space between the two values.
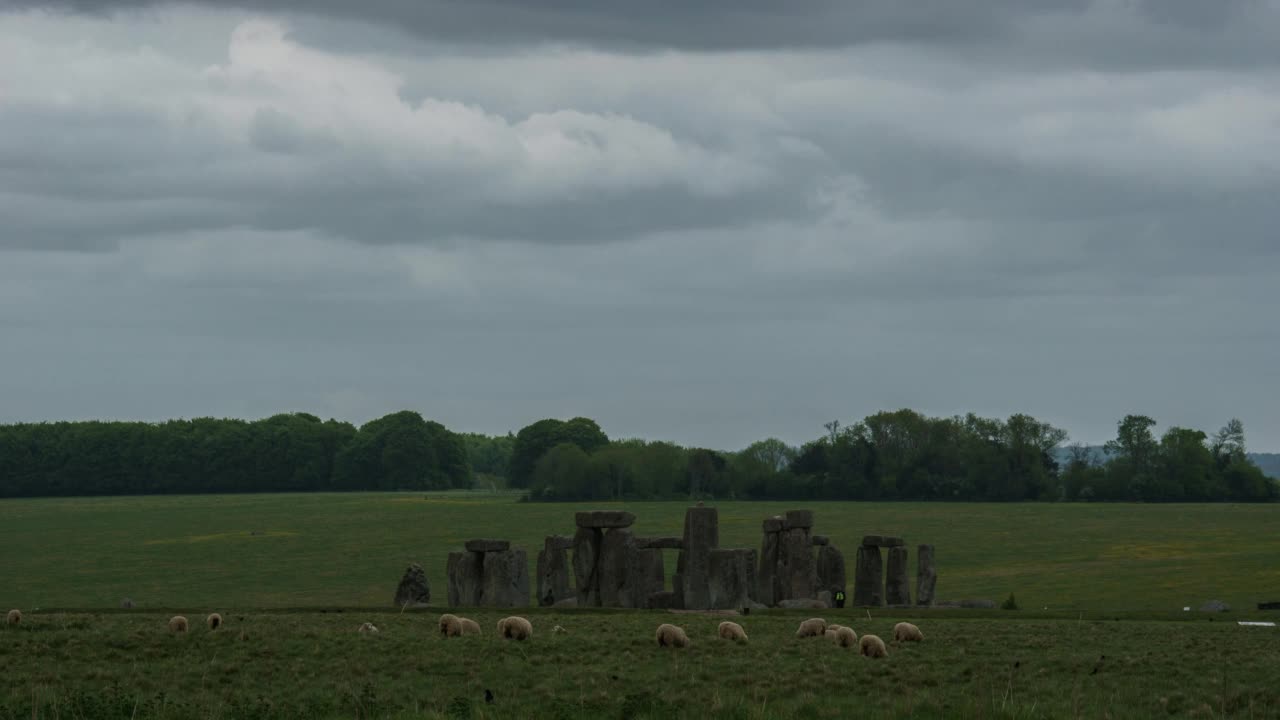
[315, 665]
[298, 551]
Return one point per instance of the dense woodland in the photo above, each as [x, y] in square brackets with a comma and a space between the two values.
[901, 455]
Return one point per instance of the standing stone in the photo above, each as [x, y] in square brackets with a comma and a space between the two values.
[617, 568]
[413, 590]
[651, 576]
[897, 583]
[701, 536]
[506, 579]
[795, 564]
[727, 580]
[553, 572]
[868, 577]
[466, 574]
[767, 578]
[586, 553]
[751, 560]
[798, 519]
[831, 575]
[926, 575]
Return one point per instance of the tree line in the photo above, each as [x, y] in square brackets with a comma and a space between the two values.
[899, 455]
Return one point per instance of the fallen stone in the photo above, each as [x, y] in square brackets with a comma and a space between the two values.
[798, 519]
[567, 602]
[660, 543]
[824, 597]
[603, 519]
[1269, 606]
[897, 583]
[868, 577]
[882, 541]
[506, 579]
[413, 591]
[803, 604]
[481, 546]
[978, 604]
[1215, 606]
[586, 552]
[926, 575]
[820, 540]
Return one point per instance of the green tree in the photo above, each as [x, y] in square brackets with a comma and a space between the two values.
[537, 438]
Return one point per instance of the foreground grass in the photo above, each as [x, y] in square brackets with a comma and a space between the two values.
[315, 665]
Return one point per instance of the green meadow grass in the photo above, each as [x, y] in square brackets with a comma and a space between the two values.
[263, 665]
[310, 550]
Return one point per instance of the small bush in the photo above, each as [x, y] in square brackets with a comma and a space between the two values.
[1009, 603]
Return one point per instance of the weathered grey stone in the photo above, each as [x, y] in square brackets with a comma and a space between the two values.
[602, 519]
[803, 604]
[414, 590]
[1215, 606]
[798, 519]
[657, 543]
[567, 602]
[978, 604]
[926, 575]
[617, 566]
[481, 546]
[831, 573]
[662, 601]
[701, 536]
[506, 579]
[820, 540]
[767, 578]
[553, 573]
[558, 542]
[796, 569]
[868, 577]
[127, 604]
[729, 577]
[651, 576]
[465, 573]
[824, 597]
[774, 524]
[586, 554]
[677, 587]
[897, 582]
[752, 559]
[884, 541]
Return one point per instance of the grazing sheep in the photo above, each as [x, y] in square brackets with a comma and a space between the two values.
[214, 621]
[872, 646]
[15, 617]
[843, 636]
[559, 630]
[515, 628]
[671, 636]
[177, 624]
[906, 632]
[450, 625]
[813, 627]
[831, 630]
[732, 631]
[368, 628]
[469, 626]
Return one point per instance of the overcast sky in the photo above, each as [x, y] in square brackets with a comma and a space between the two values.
[706, 222]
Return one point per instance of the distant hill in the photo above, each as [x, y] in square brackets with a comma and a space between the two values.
[1269, 462]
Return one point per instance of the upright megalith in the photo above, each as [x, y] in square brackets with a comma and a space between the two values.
[729, 577]
[586, 573]
[795, 575]
[650, 574]
[701, 536]
[413, 590]
[506, 579]
[465, 571]
[618, 566]
[767, 591]
[831, 573]
[553, 570]
[868, 577]
[926, 575]
[897, 583]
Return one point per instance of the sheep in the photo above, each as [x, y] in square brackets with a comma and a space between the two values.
[515, 628]
[671, 636]
[843, 636]
[469, 626]
[732, 631]
[558, 630]
[813, 627]
[906, 632]
[368, 628]
[178, 624]
[15, 617]
[214, 621]
[831, 630]
[450, 625]
[872, 646]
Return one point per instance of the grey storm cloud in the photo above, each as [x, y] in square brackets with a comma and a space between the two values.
[709, 222]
